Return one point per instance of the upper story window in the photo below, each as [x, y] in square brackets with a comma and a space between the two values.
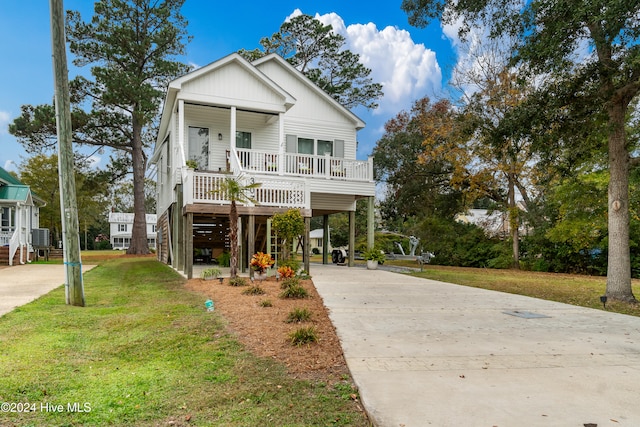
[199, 146]
[243, 139]
[305, 146]
[325, 147]
[122, 227]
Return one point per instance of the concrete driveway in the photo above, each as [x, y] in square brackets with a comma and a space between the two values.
[24, 283]
[428, 353]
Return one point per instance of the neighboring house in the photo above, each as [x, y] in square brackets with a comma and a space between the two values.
[316, 242]
[121, 227]
[263, 122]
[494, 222]
[19, 215]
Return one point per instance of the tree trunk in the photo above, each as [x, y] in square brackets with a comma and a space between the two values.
[139, 244]
[619, 262]
[514, 223]
[233, 240]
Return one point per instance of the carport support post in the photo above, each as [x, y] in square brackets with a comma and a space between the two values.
[251, 244]
[352, 238]
[188, 239]
[325, 238]
[68, 205]
[370, 222]
[306, 244]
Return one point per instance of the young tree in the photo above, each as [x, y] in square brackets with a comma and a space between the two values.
[552, 36]
[318, 52]
[235, 191]
[130, 45]
[288, 226]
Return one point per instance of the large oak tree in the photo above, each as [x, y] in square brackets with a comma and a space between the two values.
[590, 47]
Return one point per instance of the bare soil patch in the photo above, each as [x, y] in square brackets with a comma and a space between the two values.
[265, 332]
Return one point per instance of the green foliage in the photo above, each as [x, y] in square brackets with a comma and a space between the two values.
[290, 281]
[238, 281]
[292, 263]
[210, 272]
[266, 303]
[291, 288]
[305, 42]
[254, 290]
[304, 335]
[374, 254]
[288, 226]
[299, 315]
[223, 259]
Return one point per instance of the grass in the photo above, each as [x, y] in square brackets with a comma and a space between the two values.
[577, 290]
[304, 335]
[299, 315]
[145, 352]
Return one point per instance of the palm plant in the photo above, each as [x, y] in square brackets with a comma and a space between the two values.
[235, 191]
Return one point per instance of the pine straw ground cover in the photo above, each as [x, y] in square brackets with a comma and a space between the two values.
[260, 323]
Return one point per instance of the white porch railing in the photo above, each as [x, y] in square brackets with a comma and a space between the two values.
[304, 165]
[204, 187]
[14, 244]
[5, 235]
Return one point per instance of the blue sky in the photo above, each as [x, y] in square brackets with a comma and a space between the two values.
[409, 62]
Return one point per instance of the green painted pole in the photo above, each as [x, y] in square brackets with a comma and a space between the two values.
[74, 291]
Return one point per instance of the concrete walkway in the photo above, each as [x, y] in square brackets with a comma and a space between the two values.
[428, 353]
[24, 283]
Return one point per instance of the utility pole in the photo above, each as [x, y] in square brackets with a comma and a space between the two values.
[74, 291]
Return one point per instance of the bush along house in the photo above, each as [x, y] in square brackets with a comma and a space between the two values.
[256, 122]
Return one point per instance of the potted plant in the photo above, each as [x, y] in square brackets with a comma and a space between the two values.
[192, 164]
[259, 263]
[210, 273]
[374, 257]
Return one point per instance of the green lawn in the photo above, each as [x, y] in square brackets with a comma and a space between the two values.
[144, 352]
[578, 290]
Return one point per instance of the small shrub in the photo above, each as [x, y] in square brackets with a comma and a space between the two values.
[294, 291]
[266, 303]
[315, 251]
[305, 335]
[238, 281]
[291, 263]
[253, 290]
[290, 281]
[286, 272]
[299, 315]
[224, 259]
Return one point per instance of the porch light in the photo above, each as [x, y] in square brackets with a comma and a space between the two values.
[219, 137]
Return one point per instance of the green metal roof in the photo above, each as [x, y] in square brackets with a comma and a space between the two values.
[8, 178]
[14, 192]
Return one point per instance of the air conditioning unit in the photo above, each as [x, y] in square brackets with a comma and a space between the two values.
[40, 237]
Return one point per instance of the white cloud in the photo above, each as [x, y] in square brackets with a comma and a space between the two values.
[10, 165]
[407, 71]
[4, 122]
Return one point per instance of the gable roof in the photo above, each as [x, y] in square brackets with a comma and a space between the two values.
[7, 178]
[311, 85]
[176, 85]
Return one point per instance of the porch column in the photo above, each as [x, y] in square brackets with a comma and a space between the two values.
[232, 130]
[178, 231]
[370, 222]
[352, 238]
[251, 240]
[306, 243]
[180, 138]
[325, 238]
[282, 147]
[188, 239]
